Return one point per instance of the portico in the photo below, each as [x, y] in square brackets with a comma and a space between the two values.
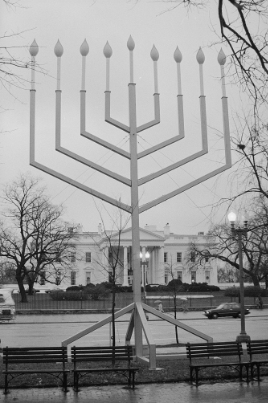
[149, 242]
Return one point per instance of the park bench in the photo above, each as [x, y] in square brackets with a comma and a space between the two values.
[258, 355]
[197, 352]
[16, 362]
[115, 359]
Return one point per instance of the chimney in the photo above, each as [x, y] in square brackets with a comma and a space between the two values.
[99, 229]
[167, 230]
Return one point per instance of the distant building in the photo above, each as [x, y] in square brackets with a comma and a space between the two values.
[168, 257]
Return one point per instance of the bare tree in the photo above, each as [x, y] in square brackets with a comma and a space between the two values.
[115, 263]
[174, 286]
[33, 235]
[250, 174]
[12, 63]
[243, 28]
[223, 246]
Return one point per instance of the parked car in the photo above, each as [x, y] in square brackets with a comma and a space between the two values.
[226, 309]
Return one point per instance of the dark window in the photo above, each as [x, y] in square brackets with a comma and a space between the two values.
[73, 278]
[179, 256]
[192, 256]
[165, 257]
[88, 257]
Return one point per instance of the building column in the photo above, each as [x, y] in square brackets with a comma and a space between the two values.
[160, 274]
[125, 274]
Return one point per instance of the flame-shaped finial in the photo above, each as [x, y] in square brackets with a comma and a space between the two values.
[107, 50]
[84, 48]
[154, 54]
[177, 55]
[221, 57]
[200, 57]
[34, 49]
[130, 43]
[58, 50]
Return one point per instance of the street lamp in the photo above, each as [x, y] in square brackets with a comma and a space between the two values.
[240, 232]
[144, 264]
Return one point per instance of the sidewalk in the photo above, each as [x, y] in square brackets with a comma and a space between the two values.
[231, 392]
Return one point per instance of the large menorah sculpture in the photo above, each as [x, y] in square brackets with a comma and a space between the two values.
[138, 321]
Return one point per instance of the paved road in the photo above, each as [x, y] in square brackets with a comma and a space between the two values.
[48, 330]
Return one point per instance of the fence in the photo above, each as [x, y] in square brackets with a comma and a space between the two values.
[40, 301]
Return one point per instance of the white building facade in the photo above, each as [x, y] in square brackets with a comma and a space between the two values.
[164, 257]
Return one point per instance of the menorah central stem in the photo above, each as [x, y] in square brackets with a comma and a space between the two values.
[135, 215]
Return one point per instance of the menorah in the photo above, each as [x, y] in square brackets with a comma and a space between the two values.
[138, 323]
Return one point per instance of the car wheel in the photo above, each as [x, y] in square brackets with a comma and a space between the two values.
[235, 316]
[214, 316]
[239, 315]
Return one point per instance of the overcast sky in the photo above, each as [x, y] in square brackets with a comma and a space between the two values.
[149, 23]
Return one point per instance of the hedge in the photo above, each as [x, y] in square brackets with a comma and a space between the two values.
[250, 291]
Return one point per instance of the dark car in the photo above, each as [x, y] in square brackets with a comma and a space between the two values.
[226, 309]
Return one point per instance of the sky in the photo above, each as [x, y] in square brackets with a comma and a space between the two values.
[149, 23]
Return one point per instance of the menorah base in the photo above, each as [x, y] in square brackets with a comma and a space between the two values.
[138, 323]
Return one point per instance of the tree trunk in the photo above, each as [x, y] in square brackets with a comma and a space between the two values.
[30, 281]
[175, 317]
[22, 290]
[113, 311]
[30, 287]
[255, 280]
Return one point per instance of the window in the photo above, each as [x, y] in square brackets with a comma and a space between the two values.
[88, 277]
[110, 277]
[73, 278]
[179, 256]
[165, 257]
[193, 277]
[206, 259]
[192, 257]
[42, 278]
[72, 257]
[88, 257]
[179, 275]
[207, 275]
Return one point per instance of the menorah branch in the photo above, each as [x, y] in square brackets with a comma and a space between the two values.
[77, 157]
[203, 118]
[106, 144]
[156, 120]
[108, 118]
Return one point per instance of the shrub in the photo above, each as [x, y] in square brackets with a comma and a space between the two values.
[254, 291]
[73, 288]
[202, 287]
[68, 296]
[250, 291]
[98, 291]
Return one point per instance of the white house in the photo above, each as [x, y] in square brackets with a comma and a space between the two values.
[167, 257]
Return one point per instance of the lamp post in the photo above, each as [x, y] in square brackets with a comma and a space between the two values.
[240, 232]
[144, 264]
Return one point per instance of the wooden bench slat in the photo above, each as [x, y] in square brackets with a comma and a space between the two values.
[199, 351]
[257, 350]
[30, 355]
[111, 355]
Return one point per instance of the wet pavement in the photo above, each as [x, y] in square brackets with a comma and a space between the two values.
[231, 392]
